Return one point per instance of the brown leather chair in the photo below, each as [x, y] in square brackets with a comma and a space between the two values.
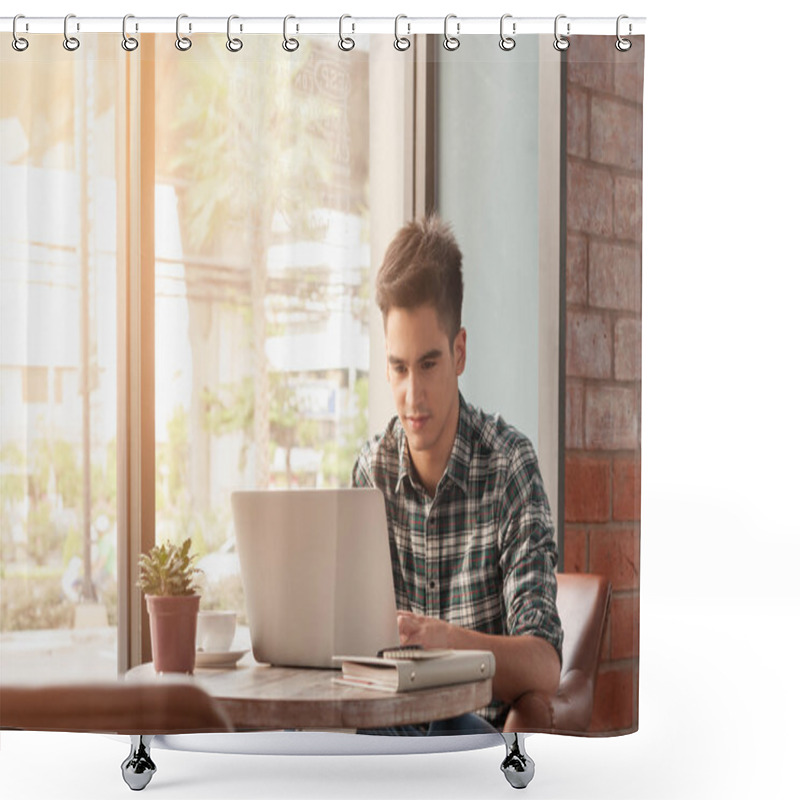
[582, 602]
[139, 710]
[125, 708]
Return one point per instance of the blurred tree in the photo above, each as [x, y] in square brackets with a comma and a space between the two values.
[340, 455]
[249, 160]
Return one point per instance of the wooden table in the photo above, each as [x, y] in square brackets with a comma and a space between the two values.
[262, 697]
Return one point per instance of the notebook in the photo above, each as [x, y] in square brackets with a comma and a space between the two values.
[317, 574]
[406, 671]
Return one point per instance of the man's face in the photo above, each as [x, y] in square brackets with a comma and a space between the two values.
[423, 373]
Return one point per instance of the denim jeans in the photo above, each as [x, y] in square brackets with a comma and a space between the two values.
[466, 723]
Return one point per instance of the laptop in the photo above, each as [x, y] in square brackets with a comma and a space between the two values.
[317, 574]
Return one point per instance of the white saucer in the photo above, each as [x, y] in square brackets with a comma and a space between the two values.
[218, 658]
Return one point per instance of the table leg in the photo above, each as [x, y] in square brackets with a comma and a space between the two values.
[138, 768]
[518, 766]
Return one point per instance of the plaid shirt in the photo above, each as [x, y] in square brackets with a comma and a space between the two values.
[481, 553]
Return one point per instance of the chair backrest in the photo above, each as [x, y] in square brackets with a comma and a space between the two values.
[582, 605]
[125, 708]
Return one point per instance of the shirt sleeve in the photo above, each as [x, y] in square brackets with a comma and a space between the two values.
[528, 554]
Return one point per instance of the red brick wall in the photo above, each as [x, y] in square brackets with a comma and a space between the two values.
[603, 351]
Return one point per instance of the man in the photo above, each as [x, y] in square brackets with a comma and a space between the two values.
[471, 535]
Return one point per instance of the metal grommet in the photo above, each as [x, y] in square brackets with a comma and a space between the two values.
[561, 43]
[451, 43]
[18, 43]
[233, 44]
[346, 43]
[289, 45]
[129, 43]
[401, 43]
[507, 42]
[623, 45]
[183, 43]
[70, 42]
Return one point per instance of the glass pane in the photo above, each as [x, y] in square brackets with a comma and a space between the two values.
[58, 360]
[477, 82]
[262, 281]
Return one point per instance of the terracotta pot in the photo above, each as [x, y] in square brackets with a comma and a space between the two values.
[173, 627]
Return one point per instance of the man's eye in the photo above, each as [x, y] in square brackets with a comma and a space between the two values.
[399, 369]
[428, 364]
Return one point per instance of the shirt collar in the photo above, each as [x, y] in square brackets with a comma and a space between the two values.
[457, 469]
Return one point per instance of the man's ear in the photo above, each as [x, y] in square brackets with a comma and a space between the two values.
[460, 351]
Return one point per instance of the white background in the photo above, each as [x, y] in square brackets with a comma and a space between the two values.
[720, 611]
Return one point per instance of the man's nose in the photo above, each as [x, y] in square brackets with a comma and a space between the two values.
[414, 388]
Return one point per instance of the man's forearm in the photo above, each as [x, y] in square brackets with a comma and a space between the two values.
[523, 663]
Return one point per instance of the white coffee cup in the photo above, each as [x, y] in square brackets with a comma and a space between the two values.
[215, 630]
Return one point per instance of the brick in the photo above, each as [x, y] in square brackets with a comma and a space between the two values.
[575, 549]
[614, 552]
[615, 276]
[616, 700]
[577, 269]
[590, 199]
[589, 345]
[628, 208]
[616, 133]
[574, 415]
[591, 62]
[629, 71]
[624, 626]
[626, 493]
[587, 489]
[628, 349]
[612, 418]
[578, 123]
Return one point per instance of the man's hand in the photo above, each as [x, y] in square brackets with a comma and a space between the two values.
[430, 632]
[524, 663]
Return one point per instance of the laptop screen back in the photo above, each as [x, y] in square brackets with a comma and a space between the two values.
[317, 574]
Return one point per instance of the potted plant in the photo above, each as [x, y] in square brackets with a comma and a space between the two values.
[166, 576]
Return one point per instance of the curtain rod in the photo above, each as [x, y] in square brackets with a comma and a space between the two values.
[349, 25]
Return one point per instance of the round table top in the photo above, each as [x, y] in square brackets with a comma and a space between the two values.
[262, 697]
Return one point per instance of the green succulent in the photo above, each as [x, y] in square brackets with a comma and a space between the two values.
[168, 570]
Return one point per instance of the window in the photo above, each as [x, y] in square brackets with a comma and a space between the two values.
[198, 313]
[260, 230]
[509, 238]
[510, 241]
[58, 298]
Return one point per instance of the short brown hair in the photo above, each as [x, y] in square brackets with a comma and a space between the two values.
[422, 266]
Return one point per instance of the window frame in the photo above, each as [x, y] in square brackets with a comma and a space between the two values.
[407, 177]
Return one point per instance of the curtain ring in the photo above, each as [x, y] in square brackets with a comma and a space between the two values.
[507, 42]
[70, 42]
[129, 43]
[234, 45]
[345, 43]
[401, 43]
[183, 43]
[561, 43]
[623, 45]
[289, 45]
[451, 43]
[18, 43]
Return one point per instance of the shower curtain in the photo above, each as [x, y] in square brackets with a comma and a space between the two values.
[191, 229]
